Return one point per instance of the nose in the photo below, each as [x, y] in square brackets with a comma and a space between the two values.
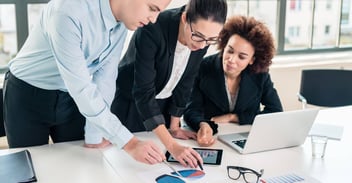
[152, 18]
[231, 58]
[202, 44]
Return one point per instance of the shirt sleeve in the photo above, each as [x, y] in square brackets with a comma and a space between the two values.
[103, 78]
[65, 37]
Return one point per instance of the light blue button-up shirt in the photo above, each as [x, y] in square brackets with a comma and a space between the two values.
[76, 47]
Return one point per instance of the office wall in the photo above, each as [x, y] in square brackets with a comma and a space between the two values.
[286, 76]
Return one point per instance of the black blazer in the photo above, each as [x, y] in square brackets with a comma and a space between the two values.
[209, 97]
[146, 68]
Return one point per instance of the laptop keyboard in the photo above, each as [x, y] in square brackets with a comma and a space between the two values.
[240, 143]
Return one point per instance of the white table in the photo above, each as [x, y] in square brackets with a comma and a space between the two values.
[335, 167]
[70, 162]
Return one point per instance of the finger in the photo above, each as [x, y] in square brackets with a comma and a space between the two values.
[156, 154]
[197, 157]
[190, 161]
[150, 159]
[182, 162]
[191, 136]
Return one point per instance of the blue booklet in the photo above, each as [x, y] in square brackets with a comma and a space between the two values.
[17, 167]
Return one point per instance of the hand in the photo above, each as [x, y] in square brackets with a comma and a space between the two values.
[103, 144]
[186, 155]
[205, 135]
[144, 151]
[183, 134]
[225, 118]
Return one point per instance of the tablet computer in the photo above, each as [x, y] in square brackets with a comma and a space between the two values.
[210, 156]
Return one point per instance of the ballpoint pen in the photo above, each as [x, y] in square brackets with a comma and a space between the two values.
[200, 165]
[173, 169]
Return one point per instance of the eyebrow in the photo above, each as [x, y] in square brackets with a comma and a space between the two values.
[153, 6]
[241, 53]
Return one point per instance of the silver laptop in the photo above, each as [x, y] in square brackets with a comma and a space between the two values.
[273, 131]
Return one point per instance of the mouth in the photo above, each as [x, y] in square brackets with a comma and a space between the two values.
[229, 67]
[141, 24]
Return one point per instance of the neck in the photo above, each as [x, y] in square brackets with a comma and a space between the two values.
[233, 77]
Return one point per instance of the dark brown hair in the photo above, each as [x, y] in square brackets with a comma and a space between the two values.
[214, 10]
[257, 34]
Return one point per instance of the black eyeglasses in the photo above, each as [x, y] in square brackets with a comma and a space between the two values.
[249, 175]
[198, 38]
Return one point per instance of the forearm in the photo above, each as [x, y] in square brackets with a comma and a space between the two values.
[174, 123]
[165, 137]
[225, 118]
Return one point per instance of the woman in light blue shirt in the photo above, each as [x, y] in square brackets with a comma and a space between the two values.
[61, 78]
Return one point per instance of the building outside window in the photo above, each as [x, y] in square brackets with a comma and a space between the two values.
[298, 26]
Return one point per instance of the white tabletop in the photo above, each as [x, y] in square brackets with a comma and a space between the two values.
[335, 167]
[70, 162]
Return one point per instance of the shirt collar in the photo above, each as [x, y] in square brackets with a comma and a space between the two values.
[108, 18]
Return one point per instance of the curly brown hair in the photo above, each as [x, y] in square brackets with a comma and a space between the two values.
[256, 33]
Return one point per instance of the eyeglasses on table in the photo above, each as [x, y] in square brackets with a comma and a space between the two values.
[248, 175]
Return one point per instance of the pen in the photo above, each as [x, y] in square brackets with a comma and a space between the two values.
[200, 165]
[168, 164]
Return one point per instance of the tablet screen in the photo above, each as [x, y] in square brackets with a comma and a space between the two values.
[210, 156]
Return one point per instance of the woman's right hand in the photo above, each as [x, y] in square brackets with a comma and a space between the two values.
[185, 155]
[205, 135]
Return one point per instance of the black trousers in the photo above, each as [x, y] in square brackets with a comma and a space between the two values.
[32, 114]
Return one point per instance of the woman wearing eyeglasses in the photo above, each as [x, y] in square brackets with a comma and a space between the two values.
[157, 72]
[233, 84]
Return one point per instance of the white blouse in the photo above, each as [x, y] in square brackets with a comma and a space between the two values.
[182, 54]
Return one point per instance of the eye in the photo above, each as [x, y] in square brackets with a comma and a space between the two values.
[229, 51]
[153, 8]
[242, 57]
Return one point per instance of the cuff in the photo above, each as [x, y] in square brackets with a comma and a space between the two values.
[213, 126]
[151, 123]
[92, 134]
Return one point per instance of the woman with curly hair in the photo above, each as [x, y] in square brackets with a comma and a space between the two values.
[232, 84]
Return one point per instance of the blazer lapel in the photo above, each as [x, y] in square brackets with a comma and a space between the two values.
[213, 85]
[172, 35]
[248, 90]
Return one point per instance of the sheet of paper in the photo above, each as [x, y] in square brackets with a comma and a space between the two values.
[296, 177]
[333, 132]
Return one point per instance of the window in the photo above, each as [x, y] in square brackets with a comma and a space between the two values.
[346, 24]
[298, 26]
[305, 25]
[8, 39]
[33, 14]
[265, 11]
[14, 26]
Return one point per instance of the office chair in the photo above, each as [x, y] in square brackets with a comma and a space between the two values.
[2, 128]
[326, 87]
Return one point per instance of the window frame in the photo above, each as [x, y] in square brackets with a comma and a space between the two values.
[22, 29]
[21, 14]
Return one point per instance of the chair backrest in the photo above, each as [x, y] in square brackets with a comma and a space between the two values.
[327, 87]
[2, 128]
